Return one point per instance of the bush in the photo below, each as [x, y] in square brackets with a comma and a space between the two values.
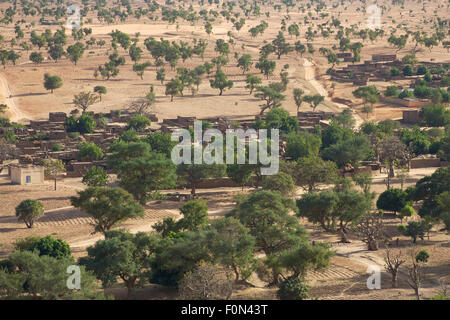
[436, 115]
[281, 182]
[49, 246]
[29, 210]
[394, 72]
[95, 177]
[90, 151]
[293, 288]
[406, 94]
[138, 123]
[407, 70]
[84, 124]
[391, 91]
[421, 70]
[56, 147]
[392, 200]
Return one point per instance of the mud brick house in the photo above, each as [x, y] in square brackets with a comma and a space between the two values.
[412, 116]
[26, 174]
[384, 57]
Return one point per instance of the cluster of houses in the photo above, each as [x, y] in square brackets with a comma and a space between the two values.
[36, 141]
[376, 69]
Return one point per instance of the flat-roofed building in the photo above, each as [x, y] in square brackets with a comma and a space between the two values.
[24, 174]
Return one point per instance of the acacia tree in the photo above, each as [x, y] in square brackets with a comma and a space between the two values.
[108, 207]
[252, 82]
[53, 168]
[100, 90]
[84, 100]
[29, 210]
[121, 255]
[52, 82]
[298, 97]
[278, 234]
[271, 95]
[245, 63]
[75, 52]
[221, 82]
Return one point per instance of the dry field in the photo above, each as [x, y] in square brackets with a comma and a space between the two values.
[345, 279]
[29, 100]
[21, 88]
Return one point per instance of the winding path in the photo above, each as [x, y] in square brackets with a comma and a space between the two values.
[6, 97]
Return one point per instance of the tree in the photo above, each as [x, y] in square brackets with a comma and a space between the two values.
[36, 57]
[75, 52]
[267, 67]
[138, 123]
[206, 282]
[370, 229]
[334, 210]
[49, 246]
[29, 210]
[310, 171]
[293, 288]
[121, 255]
[298, 97]
[146, 173]
[232, 245]
[84, 124]
[52, 82]
[314, 100]
[436, 115]
[195, 215]
[252, 82]
[221, 81]
[414, 229]
[53, 168]
[135, 53]
[56, 52]
[43, 277]
[392, 265]
[367, 94]
[107, 206]
[100, 90]
[281, 182]
[302, 144]
[271, 95]
[161, 75]
[173, 88]
[84, 100]
[90, 151]
[392, 200]
[415, 272]
[345, 119]
[245, 63]
[391, 151]
[406, 211]
[266, 215]
[281, 46]
[192, 174]
[139, 68]
[95, 177]
[350, 151]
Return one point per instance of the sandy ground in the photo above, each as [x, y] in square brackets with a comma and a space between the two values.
[345, 279]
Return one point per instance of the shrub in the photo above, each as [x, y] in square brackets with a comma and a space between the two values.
[293, 288]
[29, 210]
[392, 200]
[391, 91]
